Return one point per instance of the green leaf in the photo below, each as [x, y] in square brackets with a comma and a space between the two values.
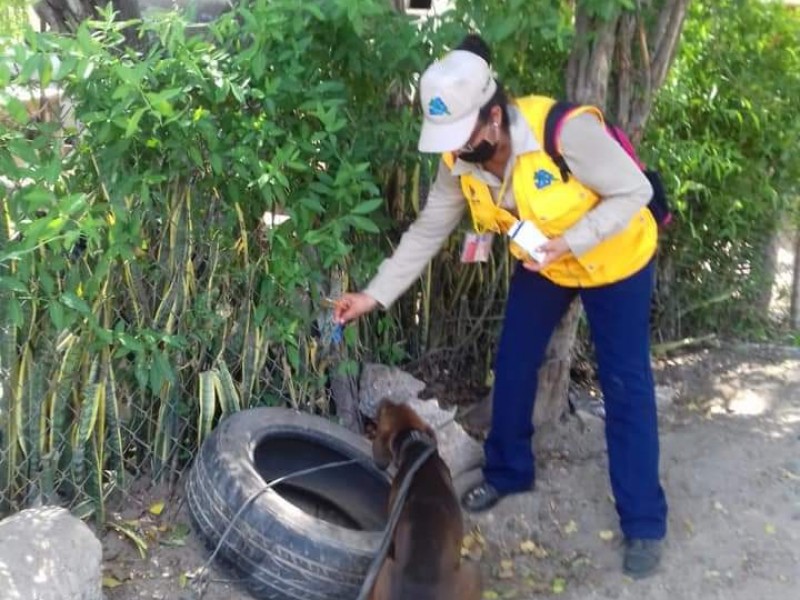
[85, 68]
[368, 206]
[67, 67]
[228, 396]
[30, 67]
[208, 403]
[216, 163]
[89, 410]
[164, 108]
[13, 284]
[313, 204]
[70, 300]
[131, 343]
[56, 312]
[362, 223]
[5, 75]
[259, 64]
[18, 111]
[46, 71]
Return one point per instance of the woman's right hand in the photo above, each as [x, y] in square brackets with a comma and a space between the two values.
[353, 305]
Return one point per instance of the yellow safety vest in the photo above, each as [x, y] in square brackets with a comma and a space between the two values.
[554, 206]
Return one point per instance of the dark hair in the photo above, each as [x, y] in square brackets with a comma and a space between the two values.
[474, 43]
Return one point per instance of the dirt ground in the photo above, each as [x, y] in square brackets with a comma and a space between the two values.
[730, 434]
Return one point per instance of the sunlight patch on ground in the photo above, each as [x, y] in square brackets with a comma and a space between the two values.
[748, 403]
[790, 418]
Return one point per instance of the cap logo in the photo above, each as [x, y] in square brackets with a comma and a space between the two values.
[437, 107]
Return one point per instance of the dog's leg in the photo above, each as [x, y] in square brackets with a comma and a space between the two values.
[383, 584]
[468, 582]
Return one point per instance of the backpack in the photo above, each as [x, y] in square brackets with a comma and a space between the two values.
[659, 204]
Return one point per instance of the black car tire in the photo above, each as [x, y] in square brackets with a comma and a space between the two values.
[282, 550]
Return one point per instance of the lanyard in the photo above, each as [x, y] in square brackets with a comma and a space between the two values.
[503, 218]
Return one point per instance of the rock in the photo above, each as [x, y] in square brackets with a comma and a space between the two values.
[379, 381]
[458, 450]
[47, 554]
[666, 395]
[477, 418]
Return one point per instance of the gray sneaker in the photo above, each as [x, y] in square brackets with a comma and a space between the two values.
[480, 498]
[642, 557]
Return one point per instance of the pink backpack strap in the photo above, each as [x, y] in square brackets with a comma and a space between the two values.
[624, 141]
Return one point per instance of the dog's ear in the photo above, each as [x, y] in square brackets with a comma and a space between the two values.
[381, 454]
[412, 420]
[381, 444]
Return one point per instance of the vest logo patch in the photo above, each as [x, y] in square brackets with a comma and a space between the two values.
[437, 107]
[542, 179]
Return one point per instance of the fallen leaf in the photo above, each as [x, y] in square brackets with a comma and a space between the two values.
[472, 545]
[468, 542]
[176, 536]
[770, 529]
[506, 569]
[559, 585]
[140, 544]
[571, 527]
[530, 547]
[490, 595]
[157, 508]
[111, 582]
[689, 526]
[606, 535]
[787, 474]
[183, 580]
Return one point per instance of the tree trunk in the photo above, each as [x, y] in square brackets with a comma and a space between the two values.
[767, 266]
[65, 15]
[621, 61]
[794, 314]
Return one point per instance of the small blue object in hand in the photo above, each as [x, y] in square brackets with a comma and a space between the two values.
[337, 335]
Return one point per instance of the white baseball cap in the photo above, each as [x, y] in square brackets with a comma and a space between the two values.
[452, 91]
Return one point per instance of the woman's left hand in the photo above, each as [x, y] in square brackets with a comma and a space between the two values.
[553, 250]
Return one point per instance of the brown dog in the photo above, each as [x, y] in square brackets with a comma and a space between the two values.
[424, 560]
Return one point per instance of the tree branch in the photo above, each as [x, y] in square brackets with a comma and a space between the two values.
[625, 76]
[578, 58]
[64, 16]
[666, 40]
[641, 108]
[599, 65]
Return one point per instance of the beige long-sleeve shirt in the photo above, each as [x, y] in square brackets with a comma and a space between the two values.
[594, 158]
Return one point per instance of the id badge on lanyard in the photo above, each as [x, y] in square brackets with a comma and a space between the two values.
[477, 247]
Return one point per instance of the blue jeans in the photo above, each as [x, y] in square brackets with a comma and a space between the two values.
[619, 319]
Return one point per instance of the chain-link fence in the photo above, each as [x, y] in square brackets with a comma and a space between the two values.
[79, 427]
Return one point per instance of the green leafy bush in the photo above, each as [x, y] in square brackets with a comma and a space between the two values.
[142, 294]
[725, 129]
